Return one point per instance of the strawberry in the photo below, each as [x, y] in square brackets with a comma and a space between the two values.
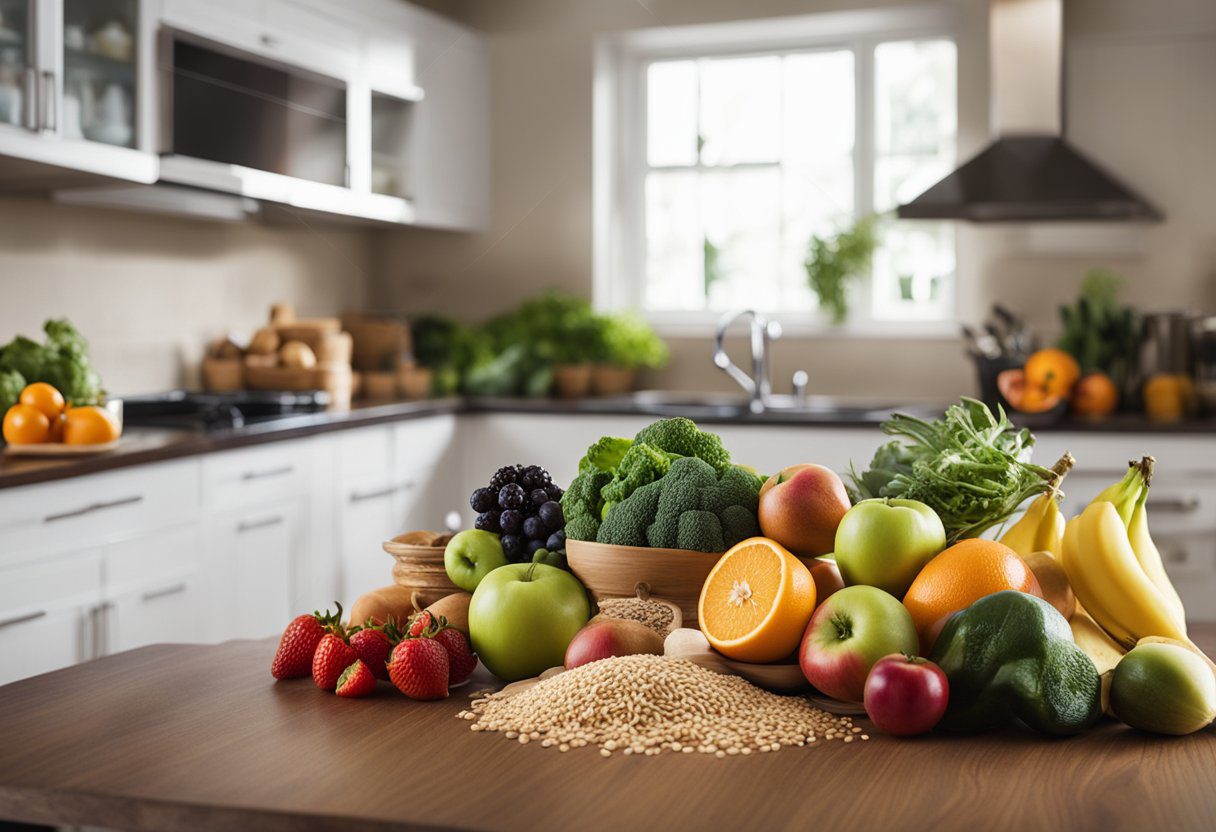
[332, 657]
[461, 660]
[421, 622]
[356, 681]
[293, 659]
[373, 644]
[419, 668]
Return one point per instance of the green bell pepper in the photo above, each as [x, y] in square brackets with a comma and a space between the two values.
[1012, 656]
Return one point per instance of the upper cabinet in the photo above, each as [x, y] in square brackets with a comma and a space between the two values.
[366, 109]
[75, 91]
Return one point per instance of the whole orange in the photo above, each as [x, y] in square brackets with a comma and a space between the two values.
[26, 425]
[958, 577]
[1052, 371]
[44, 397]
[1095, 395]
[88, 426]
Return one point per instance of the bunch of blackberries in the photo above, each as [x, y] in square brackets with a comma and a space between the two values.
[524, 506]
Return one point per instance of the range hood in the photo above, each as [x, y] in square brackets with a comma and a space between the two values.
[1030, 172]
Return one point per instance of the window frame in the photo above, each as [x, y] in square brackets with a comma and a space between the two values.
[620, 163]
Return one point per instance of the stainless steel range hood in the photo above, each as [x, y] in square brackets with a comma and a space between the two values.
[1030, 172]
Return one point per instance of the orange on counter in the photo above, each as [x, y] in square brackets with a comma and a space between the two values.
[45, 398]
[1052, 371]
[756, 602]
[88, 426]
[1095, 395]
[961, 575]
[26, 425]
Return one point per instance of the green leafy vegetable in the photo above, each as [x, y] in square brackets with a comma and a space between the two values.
[11, 385]
[630, 342]
[1103, 335]
[63, 362]
[971, 467]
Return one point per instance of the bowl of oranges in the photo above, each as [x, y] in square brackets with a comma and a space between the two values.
[42, 423]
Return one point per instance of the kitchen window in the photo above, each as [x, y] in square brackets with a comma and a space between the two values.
[722, 149]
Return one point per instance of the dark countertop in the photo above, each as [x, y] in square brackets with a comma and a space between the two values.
[177, 737]
[139, 446]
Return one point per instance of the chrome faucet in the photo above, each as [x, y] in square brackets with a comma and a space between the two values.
[763, 332]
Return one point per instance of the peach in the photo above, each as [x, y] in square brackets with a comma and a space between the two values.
[607, 637]
[827, 578]
[800, 508]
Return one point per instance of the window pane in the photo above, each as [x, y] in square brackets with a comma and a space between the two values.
[674, 239]
[914, 98]
[742, 221]
[818, 107]
[740, 110]
[671, 113]
[914, 271]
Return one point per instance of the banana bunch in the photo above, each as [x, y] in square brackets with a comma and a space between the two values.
[1114, 567]
[1041, 527]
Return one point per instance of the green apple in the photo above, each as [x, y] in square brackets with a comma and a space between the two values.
[1163, 688]
[886, 542]
[470, 556]
[523, 616]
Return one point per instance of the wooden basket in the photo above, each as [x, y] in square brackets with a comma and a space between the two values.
[419, 566]
[672, 574]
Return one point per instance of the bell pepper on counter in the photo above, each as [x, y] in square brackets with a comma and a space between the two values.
[1011, 656]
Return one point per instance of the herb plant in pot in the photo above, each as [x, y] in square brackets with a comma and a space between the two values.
[629, 344]
[833, 263]
[577, 344]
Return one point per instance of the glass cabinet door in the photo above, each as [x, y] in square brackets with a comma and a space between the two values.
[100, 78]
[17, 60]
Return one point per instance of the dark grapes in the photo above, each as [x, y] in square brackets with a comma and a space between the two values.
[487, 521]
[535, 529]
[533, 545]
[504, 475]
[556, 541]
[512, 546]
[511, 496]
[483, 499]
[554, 492]
[551, 513]
[511, 521]
[539, 497]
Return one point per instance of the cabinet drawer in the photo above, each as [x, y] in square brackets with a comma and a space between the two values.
[151, 563]
[42, 643]
[35, 590]
[254, 476]
[422, 444]
[94, 510]
[365, 454]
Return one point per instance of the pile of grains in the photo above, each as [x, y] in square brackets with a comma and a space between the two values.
[649, 704]
[654, 615]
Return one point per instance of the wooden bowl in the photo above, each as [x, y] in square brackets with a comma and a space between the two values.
[419, 566]
[779, 677]
[672, 574]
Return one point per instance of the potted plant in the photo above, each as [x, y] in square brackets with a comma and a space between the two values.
[833, 262]
[576, 345]
[628, 345]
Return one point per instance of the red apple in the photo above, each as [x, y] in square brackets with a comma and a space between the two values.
[906, 695]
[603, 638]
[848, 633]
[827, 577]
[800, 508]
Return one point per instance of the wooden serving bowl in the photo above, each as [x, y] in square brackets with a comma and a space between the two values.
[419, 566]
[672, 574]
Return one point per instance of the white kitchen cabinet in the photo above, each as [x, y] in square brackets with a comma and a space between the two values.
[247, 583]
[370, 515]
[76, 76]
[152, 591]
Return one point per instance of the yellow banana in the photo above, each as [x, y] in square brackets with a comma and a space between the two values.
[1095, 641]
[1041, 527]
[1150, 559]
[1109, 581]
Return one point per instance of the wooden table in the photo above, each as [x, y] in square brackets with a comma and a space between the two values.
[172, 737]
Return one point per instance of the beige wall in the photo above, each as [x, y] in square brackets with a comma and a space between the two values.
[1140, 103]
[149, 291]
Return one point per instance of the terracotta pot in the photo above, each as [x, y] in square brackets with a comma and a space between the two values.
[413, 382]
[610, 380]
[572, 381]
[221, 374]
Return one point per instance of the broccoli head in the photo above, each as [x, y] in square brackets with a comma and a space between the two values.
[693, 506]
[642, 464]
[605, 454]
[582, 504]
[11, 385]
[25, 356]
[681, 436]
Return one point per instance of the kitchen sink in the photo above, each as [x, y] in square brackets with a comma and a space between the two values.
[813, 408]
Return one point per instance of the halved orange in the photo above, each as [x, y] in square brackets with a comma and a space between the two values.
[756, 602]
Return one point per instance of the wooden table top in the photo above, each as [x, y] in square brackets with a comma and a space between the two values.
[172, 737]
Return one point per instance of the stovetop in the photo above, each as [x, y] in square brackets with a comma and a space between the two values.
[209, 412]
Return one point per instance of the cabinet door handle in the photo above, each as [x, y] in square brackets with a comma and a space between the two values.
[22, 619]
[29, 94]
[362, 496]
[250, 476]
[93, 508]
[269, 41]
[254, 525]
[1173, 505]
[50, 115]
[176, 589]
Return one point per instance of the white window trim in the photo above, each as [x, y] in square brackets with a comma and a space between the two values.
[619, 107]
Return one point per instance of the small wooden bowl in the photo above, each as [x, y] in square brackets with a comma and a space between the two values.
[675, 575]
[642, 593]
[419, 567]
